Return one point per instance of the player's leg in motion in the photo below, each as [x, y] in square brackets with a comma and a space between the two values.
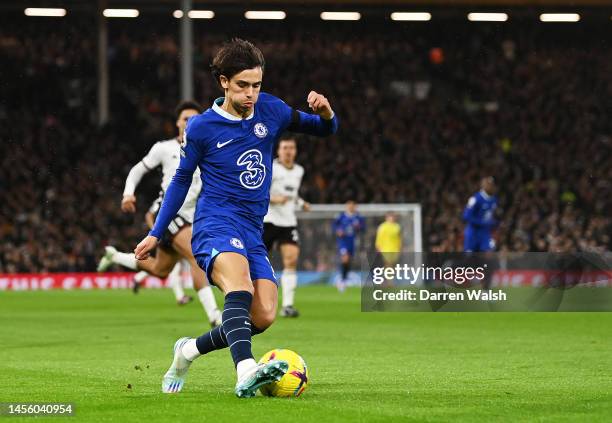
[290, 254]
[345, 267]
[176, 284]
[161, 265]
[182, 244]
[186, 276]
[137, 280]
[250, 308]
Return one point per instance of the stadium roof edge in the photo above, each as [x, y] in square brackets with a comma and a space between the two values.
[335, 4]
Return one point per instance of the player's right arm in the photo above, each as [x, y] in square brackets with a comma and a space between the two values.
[191, 154]
[378, 241]
[148, 162]
[337, 226]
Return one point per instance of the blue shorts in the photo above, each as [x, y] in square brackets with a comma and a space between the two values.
[475, 244]
[345, 247]
[214, 235]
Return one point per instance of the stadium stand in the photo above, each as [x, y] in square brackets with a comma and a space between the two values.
[425, 113]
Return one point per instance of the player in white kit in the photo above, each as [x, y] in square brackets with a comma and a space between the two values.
[280, 224]
[180, 276]
[176, 242]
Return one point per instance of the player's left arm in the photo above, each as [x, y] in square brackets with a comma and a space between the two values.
[174, 197]
[302, 204]
[361, 224]
[321, 123]
[299, 201]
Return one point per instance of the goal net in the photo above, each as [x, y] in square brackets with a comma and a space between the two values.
[318, 262]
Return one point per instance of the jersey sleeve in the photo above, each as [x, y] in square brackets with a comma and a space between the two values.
[297, 121]
[134, 177]
[153, 157]
[379, 235]
[191, 154]
[146, 164]
[471, 213]
[337, 224]
[362, 224]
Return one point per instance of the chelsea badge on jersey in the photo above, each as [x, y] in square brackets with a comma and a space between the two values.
[260, 130]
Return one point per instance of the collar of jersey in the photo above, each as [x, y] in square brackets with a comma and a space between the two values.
[217, 108]
[484, 194]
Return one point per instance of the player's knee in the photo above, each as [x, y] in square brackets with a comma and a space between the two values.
[238, 286]
[263, 320]
[255, 330]
[290, 262]
[161, 272]
[264, 316]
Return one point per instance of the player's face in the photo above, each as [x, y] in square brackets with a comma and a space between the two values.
[488, 185]
[287, 150]
[181, 122]
[350, 207]
[243, 89]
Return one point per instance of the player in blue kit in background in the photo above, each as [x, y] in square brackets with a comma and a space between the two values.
[347, 226]
[232, 144]
[479, 214]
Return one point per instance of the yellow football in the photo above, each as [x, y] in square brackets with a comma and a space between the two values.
[294, 382]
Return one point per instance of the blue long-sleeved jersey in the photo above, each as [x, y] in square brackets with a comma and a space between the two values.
[235, 159]
[346, 227]
[479, 214]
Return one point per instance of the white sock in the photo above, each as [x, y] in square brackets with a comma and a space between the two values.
[126, 260]
[140, 276]
[190, 350]
[174, 282]
[288, 283]
[187, 280]
[207, 298]
[186, 274]
[244, 367]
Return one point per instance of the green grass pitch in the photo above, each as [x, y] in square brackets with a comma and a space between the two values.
[105, 351]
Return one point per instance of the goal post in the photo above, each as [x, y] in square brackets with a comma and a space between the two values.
[318, 256]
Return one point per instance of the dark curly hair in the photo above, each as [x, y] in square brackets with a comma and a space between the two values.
[234, 57]
[187, 105]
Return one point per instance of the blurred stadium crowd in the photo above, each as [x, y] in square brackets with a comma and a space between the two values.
[425, 113]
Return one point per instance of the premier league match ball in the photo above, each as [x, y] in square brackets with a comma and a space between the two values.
[294, 382]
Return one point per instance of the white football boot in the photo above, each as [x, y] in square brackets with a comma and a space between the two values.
[107, 259]
[261, 374]
[174, 379]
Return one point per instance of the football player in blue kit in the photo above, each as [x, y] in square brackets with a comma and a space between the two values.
[346, 227]
[479, 215]
[232, 143]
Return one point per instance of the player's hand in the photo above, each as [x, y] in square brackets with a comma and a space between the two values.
[306, 206]
[128, 204]
[144, 248]
[320, 105]
[279, 199]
